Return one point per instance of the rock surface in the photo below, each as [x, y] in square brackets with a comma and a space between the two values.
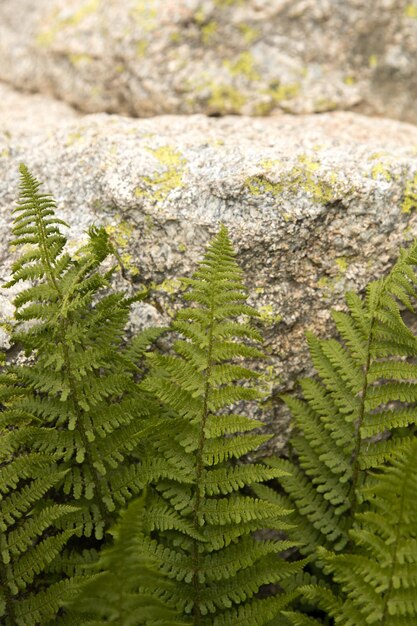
[253, 57]
[314, 204]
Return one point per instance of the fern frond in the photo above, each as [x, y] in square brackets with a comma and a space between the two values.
[77, 402]
[356, 412]
[30, 536]
[377, 578]
[127, 572]
[198, 521]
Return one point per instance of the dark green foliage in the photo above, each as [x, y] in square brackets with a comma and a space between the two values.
[198, 519]
[29, 537]
[377, 579]
[122, 593]
[76, 402]
[356, 412]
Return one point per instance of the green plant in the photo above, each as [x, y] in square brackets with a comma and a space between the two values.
[30, 538]
[122, 591]
[376, 580]
[357, 411]
[200, 516]
[76, 402]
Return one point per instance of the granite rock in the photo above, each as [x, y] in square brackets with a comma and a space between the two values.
[251, 57]
[315, 205]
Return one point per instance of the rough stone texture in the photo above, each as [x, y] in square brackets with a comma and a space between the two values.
[315, 204]
[147, 57]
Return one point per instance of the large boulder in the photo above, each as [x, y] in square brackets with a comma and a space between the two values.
[315, 205]
[252, 57]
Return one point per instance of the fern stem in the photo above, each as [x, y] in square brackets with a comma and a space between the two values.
[358, 426]
[387, 595]
[78, 413]
[199, 469]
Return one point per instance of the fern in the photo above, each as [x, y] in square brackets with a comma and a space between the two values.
[377, 579]
[30, 537]
[77, 400]
[356, 412]
[198, 521]
[122, 592]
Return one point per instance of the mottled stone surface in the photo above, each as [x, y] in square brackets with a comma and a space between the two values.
[315, 204]
[253, 57]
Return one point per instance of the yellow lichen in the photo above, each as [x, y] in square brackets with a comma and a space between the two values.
[121, 234]
[279, 92]
[322, 105]
[96, 90]
[262, 108]
[208, 31]
[342, 264]
[243, 65]
[5, 153]
[141, 48]
[171, 286]
[80, 59]
[73, 138]
[258, 185]
[302, 177]
[323, 282]
[227, 3]
[145, 14]
[312, 165]
[249, 33]
[47, 36]
[411, 11]
[269, 381]
[200, 16]
[373, 61]
[377, 155]
[162, 183]
[225, 99]
[149, 224]
[349, 80]
[270, 164]
[380, 170]
[175, 36]
[89, 8]
[268, 315]
[410, 196]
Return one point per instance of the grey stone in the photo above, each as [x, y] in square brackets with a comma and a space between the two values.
[314, 204]
[253, 57]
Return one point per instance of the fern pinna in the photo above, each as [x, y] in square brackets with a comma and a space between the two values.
[377, 578]
[356, 412]
[30, 537]
[198, 519]
[119, 594]
[77, 398]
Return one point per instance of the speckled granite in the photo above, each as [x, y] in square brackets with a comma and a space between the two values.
[315, 205]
